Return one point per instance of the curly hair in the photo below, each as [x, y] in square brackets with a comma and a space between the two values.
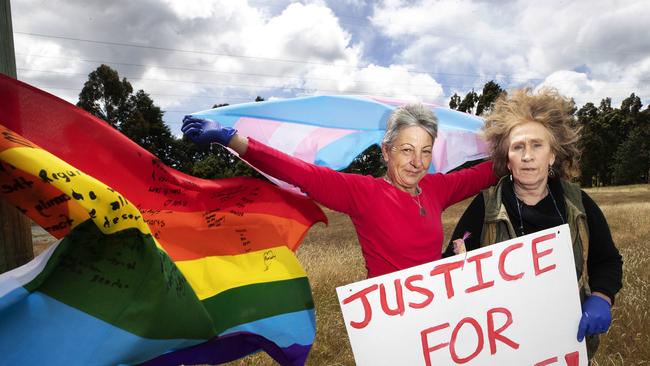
[547, 107]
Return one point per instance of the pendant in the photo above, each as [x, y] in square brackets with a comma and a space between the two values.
[422, 211]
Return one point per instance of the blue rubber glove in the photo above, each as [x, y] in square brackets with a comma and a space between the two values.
[205, 131]
[596, 317]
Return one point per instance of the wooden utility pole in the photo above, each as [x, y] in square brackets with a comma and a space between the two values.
[15, 229]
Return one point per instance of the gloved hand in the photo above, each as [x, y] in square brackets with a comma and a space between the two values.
[204, 131]
[596, 317]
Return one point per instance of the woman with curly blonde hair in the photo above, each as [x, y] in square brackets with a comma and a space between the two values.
[550, 110]
[533, 141]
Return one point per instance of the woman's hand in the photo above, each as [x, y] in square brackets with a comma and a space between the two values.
[203, 131]
[596, 316]
[459, 246]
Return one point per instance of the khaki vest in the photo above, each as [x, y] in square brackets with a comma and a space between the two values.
[497, 228]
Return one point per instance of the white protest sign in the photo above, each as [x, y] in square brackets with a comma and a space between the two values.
[512, 303]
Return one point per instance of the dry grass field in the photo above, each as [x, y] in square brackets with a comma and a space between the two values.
[331, 257]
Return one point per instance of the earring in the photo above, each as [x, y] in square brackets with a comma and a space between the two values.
[551, 171]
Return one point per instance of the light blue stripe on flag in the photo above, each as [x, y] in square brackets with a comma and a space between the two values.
[46, 326]
[283, 330]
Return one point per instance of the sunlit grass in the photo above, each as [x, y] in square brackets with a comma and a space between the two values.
[331, 257]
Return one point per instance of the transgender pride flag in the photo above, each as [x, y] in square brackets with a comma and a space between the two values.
[153, 266]
[332, 130]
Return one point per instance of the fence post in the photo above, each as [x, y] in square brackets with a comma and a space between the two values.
[15, 228]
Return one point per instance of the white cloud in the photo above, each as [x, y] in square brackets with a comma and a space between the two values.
[231, 51]
[584, 88]
[571, 83]
[393, 81]
[52, 57]
[326, 61]
[301, 32]
[466, 43]
[207, 9]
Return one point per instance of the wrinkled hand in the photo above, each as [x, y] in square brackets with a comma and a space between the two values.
[459, 246]
[205, 131]
[596, 317]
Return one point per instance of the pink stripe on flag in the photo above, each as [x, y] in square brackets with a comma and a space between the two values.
[260, 129]
[318, 139]
[455, 147]
[440, 151]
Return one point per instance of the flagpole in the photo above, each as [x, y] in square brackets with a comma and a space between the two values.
[15, 228]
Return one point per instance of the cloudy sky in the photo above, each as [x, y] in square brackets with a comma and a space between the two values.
[189, 55]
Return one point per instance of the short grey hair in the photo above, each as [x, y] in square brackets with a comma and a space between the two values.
[409, 115]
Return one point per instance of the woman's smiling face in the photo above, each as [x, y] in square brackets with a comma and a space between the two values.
[409, 157]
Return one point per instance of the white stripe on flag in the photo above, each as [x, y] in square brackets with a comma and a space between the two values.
[289, 135]
[22, 275]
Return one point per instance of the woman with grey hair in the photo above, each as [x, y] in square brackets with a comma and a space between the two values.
[397, 217]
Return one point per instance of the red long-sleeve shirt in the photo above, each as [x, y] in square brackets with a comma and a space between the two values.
[392, 233]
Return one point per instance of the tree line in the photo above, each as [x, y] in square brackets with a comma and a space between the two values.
[135, 115]
[615, 141]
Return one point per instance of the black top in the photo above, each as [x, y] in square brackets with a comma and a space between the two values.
[604, 262]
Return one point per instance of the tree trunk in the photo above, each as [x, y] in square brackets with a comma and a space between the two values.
[15, 238]
[15, 229]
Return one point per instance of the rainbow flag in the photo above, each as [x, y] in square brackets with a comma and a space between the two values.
[152, 266]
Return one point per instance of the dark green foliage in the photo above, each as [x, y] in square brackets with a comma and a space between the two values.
[631, 162]
[369, 162]
[454, 102]
[631, 105]
[491, 91]
[483, 102]
[219, 162]
[136, 116]
[615, 143]
[106, 96]
[605, 105]
[632, 159]
[590, 143]
[146, 128]
[468, 103]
